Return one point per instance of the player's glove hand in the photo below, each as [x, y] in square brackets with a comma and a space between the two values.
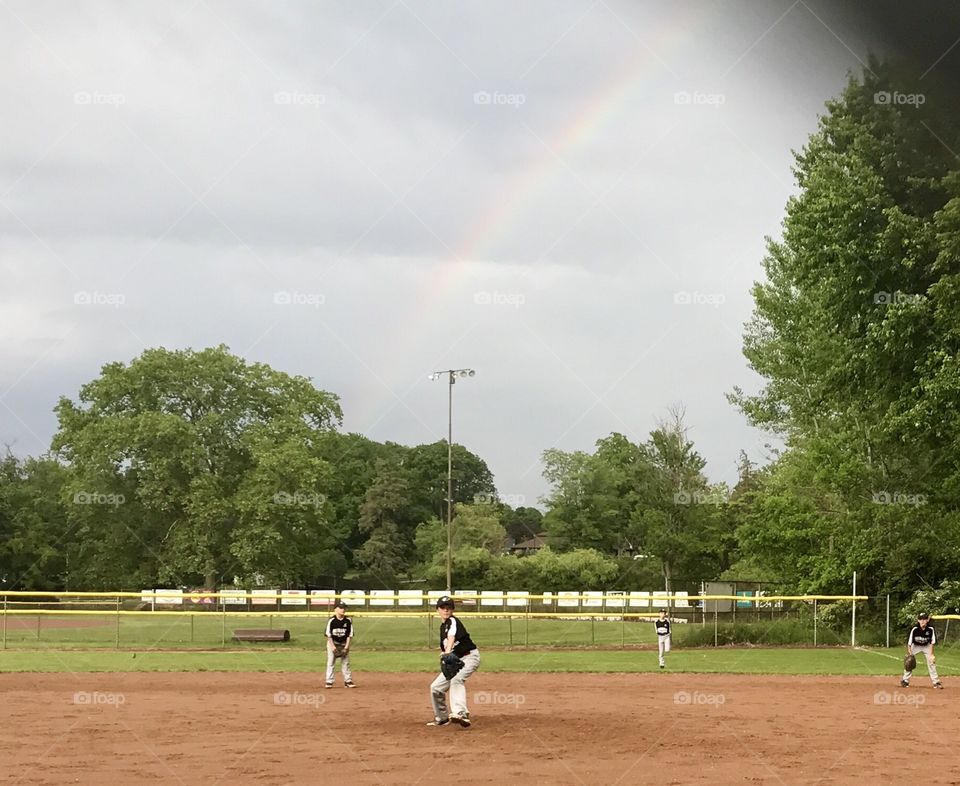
[910, 663]
[450, 665]
[338, 651]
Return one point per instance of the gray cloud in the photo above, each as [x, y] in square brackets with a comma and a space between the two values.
[531, 191]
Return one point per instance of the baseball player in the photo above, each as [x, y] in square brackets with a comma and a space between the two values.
[921, 639]
[459, 659]
[662, 625]
[339, 635]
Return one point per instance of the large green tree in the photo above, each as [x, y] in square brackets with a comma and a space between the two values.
[201, 467]
[35, 535]
[856, 330]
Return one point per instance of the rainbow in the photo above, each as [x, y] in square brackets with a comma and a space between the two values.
[522, 191]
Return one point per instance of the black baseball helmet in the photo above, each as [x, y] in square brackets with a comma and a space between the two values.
[923, 616]
[340, 605]
[445, 602]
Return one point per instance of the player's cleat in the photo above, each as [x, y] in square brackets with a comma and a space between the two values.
[463, 720]
[439, 722]
[662, 666]
[328, 685]
[938, 685]
[904, 684]
[349, 685]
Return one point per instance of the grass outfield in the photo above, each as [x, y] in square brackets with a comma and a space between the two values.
[211, 631]
[731, 660]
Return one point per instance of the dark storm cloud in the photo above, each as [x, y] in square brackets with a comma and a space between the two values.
[570, 197]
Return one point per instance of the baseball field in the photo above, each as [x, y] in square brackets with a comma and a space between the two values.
[584, 715]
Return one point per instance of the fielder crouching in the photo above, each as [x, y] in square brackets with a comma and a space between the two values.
[921, 639]
[459, 658]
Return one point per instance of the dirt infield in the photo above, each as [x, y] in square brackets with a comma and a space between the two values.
[560, 728]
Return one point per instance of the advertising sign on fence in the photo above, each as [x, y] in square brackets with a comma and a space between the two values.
[233, 597]
[518, 598]
[381, 597]
[592, 598]
[354, 598]
[615, 600]
[640, 600]
[294, 597]
[568, 599]
[168, 597]
[322, 599]
[410, 598]
[490, 598]
[264, 597]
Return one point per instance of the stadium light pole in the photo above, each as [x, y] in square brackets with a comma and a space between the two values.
[451, 374]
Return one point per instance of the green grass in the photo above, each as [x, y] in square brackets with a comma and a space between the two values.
[210, 631]
[733, 660]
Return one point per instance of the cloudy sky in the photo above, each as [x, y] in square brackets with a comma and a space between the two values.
[569, 197]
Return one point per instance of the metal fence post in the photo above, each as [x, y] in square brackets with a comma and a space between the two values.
[4, 621]
[814, 622]
[853, 613]
[118, 622]
[715, 638]
[223, 625]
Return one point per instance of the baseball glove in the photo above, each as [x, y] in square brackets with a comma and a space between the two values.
[910, 663]
[450, 665]
[338, 651]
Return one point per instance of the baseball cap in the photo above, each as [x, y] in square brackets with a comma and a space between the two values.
[923, 616]
[445, 602]
[340, 605]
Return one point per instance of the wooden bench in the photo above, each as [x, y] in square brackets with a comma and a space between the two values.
[261, 634]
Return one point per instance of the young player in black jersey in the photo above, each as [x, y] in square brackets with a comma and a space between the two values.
[662, 625]
[454, 638]
[922, 637]
[339, 635]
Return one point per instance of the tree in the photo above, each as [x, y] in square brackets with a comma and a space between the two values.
[476, 529]
[216, 461]
[35, 537]
[426, 468]
[386, 551]
[521, 523]
[856, 330]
